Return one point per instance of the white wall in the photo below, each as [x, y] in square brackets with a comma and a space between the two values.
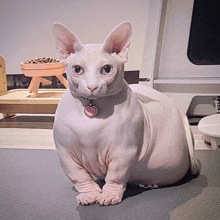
[26, 26]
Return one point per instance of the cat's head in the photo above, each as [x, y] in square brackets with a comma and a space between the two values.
[94, 70]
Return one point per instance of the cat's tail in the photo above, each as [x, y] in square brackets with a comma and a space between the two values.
[190, 142]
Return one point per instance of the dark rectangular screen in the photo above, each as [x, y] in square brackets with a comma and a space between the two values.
[204, 40]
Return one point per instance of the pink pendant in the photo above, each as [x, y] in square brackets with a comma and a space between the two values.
[91, 111]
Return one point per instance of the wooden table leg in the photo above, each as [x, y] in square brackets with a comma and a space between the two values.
[34, 85]
[63, 80]
[45, 81]
[31, 85]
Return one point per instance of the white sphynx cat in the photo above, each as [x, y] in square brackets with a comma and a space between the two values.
[118, 133]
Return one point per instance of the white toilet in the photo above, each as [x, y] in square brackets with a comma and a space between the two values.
[210, 128]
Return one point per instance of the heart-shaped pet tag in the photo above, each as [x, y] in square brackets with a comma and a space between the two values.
[91, 111]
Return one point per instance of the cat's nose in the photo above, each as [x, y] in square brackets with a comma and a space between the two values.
[92, 88]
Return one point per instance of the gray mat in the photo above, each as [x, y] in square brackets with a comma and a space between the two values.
[34, 187]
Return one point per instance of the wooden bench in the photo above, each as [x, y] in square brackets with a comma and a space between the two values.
[20, 100]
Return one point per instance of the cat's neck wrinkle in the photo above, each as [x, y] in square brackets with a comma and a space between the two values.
[108, 104]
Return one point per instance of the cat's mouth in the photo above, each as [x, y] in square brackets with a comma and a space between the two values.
[81, 92]
[99, 93]
[90, 97]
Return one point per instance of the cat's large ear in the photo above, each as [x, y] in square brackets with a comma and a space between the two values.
[118, 41]
[66, 42]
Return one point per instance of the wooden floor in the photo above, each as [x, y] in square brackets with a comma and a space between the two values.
[35, 132]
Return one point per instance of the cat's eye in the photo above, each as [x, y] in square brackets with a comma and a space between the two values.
[107, 69]
[77, 70]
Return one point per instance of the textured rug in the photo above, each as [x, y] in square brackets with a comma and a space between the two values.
[34, 187]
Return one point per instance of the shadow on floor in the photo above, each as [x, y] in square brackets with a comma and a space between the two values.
[28, 121]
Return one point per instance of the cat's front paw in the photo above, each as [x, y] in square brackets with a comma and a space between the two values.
[108, 199]
[88, 198]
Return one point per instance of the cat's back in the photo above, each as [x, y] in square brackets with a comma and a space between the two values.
[145, 93]
[159, 110]
[152, 100]
[164, 139]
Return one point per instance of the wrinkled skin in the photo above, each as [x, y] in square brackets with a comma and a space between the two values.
[137, 135]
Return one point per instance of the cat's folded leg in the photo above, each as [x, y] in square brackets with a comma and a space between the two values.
[116, 181]
[111, 194]
[88, 196]
[88, 189]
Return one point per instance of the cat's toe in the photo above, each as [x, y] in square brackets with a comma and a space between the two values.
[107, 199]
[116, 200]
[87, 198]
